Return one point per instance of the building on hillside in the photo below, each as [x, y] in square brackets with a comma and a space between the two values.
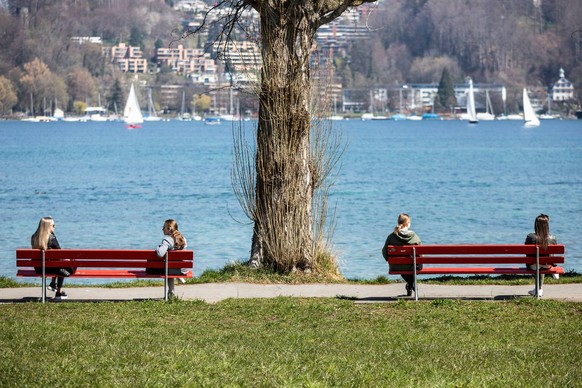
[87, 39]
[243, 59]
[170, 96]
[329, 97]
[128, 58]
[334, 39]
[191, 6]
[193, 63]
[563, 89]
[337, 35]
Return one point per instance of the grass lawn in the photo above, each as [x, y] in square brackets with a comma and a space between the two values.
[292, 342]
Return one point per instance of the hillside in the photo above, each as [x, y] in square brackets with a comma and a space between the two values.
[516, 43]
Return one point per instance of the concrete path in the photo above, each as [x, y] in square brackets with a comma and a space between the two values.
[215, 292]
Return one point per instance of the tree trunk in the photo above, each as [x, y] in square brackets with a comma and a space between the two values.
[282, 237]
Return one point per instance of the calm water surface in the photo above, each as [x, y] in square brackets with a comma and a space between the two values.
[108, 187]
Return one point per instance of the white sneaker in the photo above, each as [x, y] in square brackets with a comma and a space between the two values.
[533, 292]
[556, 276]
[182, 280]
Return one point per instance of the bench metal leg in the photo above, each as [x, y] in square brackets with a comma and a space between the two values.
[166, 277]
[415, 277]
[538, 272]
[43, 282]
[43, 285]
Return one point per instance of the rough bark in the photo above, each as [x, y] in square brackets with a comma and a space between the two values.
[284, 189]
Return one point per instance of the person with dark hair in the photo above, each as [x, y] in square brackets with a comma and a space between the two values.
[543, 238]
[173, 240]
[403, 235]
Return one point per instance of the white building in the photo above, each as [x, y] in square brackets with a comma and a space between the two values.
[563, 89]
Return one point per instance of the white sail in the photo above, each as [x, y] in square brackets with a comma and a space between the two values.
[529, 116]
[488, 114]
[471, 113]
[132, 112]
[152, 115]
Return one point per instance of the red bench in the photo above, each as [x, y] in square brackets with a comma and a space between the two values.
[475, 259]
[103, 263]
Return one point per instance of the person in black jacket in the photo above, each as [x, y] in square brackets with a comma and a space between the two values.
[402, 235]
[44, 238]
[543, 238]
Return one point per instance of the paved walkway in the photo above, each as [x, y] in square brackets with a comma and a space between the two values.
[215, 292]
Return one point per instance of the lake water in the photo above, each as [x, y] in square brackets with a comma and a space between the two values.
[109, 187]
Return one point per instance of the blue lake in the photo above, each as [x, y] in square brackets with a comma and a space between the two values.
[109, 187]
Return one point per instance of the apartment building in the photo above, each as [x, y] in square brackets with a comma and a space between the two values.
[243, 59]
[128, 58]
[194, 63]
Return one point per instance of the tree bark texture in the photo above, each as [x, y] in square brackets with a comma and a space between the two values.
[284, 191]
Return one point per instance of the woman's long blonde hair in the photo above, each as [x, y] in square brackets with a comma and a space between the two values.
[403, 222]
[172, 227]
[40, 238]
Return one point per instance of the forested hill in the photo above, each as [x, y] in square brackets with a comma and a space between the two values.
[514, 42]
[518, 42]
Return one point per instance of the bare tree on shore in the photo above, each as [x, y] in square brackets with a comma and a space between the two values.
[287, 170]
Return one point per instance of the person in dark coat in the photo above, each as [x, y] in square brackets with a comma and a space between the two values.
[543, 238]
[44, 238]
[402, 235]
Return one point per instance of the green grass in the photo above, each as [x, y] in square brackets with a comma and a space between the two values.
[292, 342]
[240, 272]
[6, 282]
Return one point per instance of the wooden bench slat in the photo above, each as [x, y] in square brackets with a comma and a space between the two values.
[429, 259]
[478, 271]
[476, 249]
[105, 263]
[98, 254]
[85, 273]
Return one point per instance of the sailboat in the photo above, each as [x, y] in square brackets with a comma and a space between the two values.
[184, 116]
[488, 114]
[372, 115]
[529, 116]
[471, 114]
[228, 116]
[132, 113]
[31, 117]
[151, 116]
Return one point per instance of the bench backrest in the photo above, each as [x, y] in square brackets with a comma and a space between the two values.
[476, 254]
[103, 258]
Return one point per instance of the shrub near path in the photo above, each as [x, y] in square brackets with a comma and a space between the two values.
[292, 342]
